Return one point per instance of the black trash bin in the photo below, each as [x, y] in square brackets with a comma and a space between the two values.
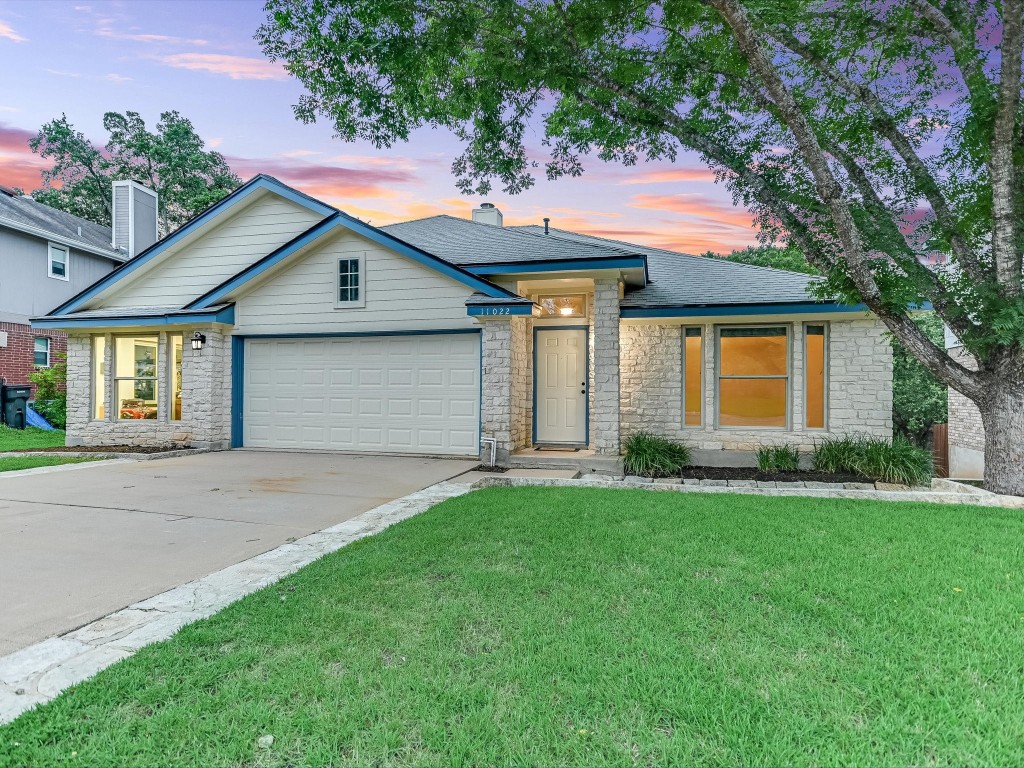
[15, 404]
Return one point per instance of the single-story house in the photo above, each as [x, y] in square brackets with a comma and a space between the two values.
[274, 320]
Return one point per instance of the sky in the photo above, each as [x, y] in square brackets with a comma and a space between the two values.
[83, 58]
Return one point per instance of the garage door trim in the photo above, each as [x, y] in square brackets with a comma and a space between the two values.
[238, 364]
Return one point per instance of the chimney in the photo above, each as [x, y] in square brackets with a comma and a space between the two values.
[487, 214]
[134, 217]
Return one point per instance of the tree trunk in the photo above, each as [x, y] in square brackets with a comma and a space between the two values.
[1003, 417]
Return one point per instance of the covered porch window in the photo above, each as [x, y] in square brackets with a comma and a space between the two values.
[136, 388]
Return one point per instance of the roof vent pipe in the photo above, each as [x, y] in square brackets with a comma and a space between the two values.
[546, 222]
[488, 214]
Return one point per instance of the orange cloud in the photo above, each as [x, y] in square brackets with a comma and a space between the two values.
[330, 183]
[235, 67]
[669, 175]
[19, 167]
[695, 205]
[7, 32]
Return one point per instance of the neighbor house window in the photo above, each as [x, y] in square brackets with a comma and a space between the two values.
[693, 377]
[815, 375]
[753, 377]
[58, 261]
[41, 352]
[350, 282]
[135, 377]
[176, 342]
[573, 305]
[99, 377]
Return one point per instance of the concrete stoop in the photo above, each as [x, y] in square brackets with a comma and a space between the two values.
[583, 463]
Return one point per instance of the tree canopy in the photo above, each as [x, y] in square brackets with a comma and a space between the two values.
[173, 160]
[869, 134]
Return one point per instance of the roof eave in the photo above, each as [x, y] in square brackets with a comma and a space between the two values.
[71, 242]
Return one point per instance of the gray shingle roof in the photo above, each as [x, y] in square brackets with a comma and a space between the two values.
[24, 210]
[465, 242]
[132, 312]
[679, 279]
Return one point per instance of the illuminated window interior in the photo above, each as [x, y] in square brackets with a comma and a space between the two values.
[99, 377]
[177, 344]
[815, 357]
[135, 377]
[573, 305]
[693, 362]
[753, 377]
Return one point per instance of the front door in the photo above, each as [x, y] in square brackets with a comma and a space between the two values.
[560, 391]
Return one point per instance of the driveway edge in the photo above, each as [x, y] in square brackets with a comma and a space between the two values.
[38, 673]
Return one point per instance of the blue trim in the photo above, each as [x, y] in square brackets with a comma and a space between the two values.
[489, 310]
[721, 310]
[565, 265]
[226, 316]
[256, 183]
[586, 367]
[237, 388]
[339, 219]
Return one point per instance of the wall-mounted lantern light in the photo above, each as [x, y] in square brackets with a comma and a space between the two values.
[198, 340]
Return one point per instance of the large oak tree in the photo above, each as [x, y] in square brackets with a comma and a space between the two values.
[867, 134]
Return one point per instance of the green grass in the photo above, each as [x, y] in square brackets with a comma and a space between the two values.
[9, 464]
[31, 437]
[592, 627]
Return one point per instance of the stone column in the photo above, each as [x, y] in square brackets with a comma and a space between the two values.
[604, 415]
[497, 388]
[206, 388]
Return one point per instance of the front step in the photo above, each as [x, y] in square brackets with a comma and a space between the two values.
[585, 465]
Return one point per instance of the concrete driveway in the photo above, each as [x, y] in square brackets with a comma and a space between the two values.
[76, 545]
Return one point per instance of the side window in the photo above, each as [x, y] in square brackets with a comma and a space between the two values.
[41, 352]
[351, 282]
[58, 261]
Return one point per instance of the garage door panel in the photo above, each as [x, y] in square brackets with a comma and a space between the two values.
[416, 394]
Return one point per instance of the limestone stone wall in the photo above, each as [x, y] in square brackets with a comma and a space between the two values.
[966, 431]
[205, 398]
[605, 376]
[859, 386]
[496, 388]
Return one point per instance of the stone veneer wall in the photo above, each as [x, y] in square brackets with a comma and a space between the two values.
[205, 397]
[860, 386]
[496, 388]
[521, 433]
[966, 430]
[605, 374]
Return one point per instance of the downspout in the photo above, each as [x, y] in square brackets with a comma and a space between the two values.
[494, 448]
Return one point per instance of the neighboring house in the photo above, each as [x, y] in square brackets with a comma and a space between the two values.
[46, 257]
[966, 433]
[275, 321]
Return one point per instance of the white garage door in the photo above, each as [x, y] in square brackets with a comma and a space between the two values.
[394, 394]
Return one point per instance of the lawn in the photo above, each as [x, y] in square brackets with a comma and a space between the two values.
[11, 463]
[31, 437]
[592, 627]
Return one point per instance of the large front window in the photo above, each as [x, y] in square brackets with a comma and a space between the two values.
[135, 376]
[753, 377]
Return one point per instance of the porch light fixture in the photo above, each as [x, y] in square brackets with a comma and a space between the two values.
[198, 340]
[567, 311]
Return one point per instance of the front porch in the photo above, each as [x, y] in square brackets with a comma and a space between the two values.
[550, 381]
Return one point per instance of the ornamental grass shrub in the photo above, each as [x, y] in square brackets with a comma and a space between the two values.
[897, 461]
[649, 455]
[778, 458]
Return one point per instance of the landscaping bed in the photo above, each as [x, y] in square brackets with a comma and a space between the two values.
[751, 473]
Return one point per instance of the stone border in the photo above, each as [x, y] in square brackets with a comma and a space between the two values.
[985, 499]
[38, 673]
[72, 454]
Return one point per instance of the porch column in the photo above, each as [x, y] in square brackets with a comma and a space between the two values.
[206, 388]
[604, 417]
[496, 388]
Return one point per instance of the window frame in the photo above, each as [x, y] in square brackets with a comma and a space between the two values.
[50, 248]
[115, 379]
[788, 377]
[826, 363]
[583, 315]
[360, 259]
[49, 351]
[171, 372]
[703, 383]
[98, 364]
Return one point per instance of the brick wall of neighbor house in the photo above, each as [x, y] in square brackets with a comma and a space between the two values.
[966, 432]
[17, 359]
[205, 397]
[860, 386]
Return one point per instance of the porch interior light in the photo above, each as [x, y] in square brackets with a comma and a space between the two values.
[565, 310]
[198, 340]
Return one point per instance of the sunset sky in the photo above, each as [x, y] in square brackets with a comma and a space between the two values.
[85, 58]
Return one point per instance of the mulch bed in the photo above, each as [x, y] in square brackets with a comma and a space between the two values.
[487, 468]
[750, 473]
[103, 449]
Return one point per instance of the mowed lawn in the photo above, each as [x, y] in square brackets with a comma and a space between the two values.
[592, 627]
[11, 463]
[30, 437]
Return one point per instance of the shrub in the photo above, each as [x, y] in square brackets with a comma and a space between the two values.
[778, 458]
[51, 401]
[648, 455]
[899, 461]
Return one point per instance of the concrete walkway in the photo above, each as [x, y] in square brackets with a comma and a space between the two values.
[78, 545]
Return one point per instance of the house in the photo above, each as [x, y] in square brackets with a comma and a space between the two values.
[46, 257]
[274, 320]
[965, 432]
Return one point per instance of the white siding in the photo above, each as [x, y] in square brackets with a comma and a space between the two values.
[401, 295]
[241, 239]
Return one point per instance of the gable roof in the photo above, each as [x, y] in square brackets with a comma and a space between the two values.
[332, 223]
[681, 280]
[24, 214]
[255, 184]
